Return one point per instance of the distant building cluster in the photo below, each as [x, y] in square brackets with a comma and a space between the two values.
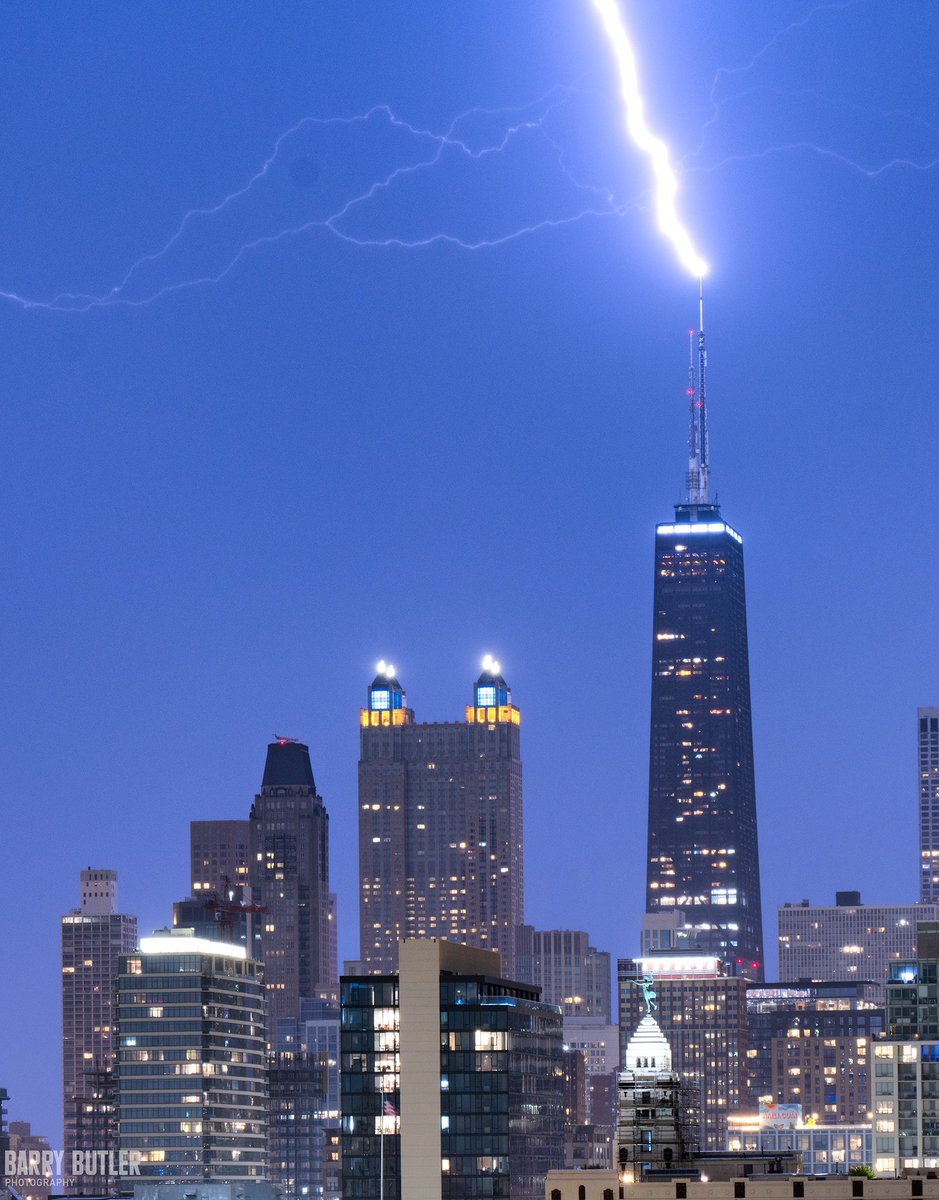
[467, 1053]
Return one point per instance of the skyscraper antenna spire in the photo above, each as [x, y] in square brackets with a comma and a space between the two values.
[699, 484]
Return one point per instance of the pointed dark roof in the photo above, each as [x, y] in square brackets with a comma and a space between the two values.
[288, 765]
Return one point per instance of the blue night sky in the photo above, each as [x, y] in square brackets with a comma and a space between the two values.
[222, 503]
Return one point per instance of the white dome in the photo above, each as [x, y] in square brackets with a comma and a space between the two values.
[647, 1050]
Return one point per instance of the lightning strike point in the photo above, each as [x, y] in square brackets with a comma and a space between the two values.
[666, 181]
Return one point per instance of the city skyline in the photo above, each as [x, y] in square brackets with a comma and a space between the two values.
[193, 488]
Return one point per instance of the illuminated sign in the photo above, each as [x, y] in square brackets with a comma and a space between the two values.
[702, 527]
[380, 699]
[692, 964]
[780, 1116]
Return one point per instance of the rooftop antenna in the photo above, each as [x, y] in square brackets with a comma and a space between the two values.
[699, 489]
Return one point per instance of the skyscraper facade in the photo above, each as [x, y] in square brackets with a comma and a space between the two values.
[297, 1083]
[810, 1045]
[219, 856]
[440, 823]
[570, 972]
[289, 851]
[928, 763]
[94, 936]
[702, 849]
[315, 1033]
[703, 1013]
[192, 1078]
[452, 1080]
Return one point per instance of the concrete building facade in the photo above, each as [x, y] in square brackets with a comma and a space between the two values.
[570, 972]
[758, 1185]
[847, 940]
[219, 856]
[650, 1123]
[94, 936]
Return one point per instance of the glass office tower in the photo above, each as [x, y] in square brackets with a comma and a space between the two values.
[702, 855]
[192, 1069]
[452, 1080]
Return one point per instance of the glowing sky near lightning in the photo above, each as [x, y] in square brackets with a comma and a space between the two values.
[666, 181]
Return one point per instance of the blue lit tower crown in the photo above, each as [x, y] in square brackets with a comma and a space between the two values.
[492, 698]
[387, 702]
[702, 851]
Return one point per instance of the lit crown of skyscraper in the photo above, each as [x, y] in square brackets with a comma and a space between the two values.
[387, 700]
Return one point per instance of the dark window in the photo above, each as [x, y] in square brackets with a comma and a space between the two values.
[607, 1194]
[555, 1194]
[740, 1190]
[798, 1190]
[581, 1193]
[681, 1191]
[917, 1187]
[857, 1187]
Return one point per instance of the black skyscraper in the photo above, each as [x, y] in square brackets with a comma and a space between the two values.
[289, 838]
[703, 857]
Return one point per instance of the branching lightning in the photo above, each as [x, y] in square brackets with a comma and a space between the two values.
[219, 236]
[530, 118]
[720, 102]
[726, 72]
[666, 189]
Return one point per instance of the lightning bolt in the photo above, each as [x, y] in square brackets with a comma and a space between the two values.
[429, 150]
[719, 103]
[666, 189]
[726, 72]
[822, 152]
[518, 121]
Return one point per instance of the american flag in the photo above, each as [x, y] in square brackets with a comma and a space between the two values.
[389, 1109]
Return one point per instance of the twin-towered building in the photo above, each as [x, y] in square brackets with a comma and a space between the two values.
[440, 823]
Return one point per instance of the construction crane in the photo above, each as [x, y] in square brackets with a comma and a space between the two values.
[226, 908]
